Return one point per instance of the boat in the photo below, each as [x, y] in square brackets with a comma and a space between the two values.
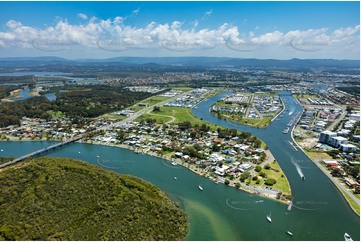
[200, 188]
[289, 233]
[174, 163]
[269, 217]
[347, 237]
[175, 178]
[285, 131]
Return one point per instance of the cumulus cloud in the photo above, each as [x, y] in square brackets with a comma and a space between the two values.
[97, 33]
[82, 16]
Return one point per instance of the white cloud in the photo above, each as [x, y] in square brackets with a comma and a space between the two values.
[135, 11]
[207, 14]
[82, 16]
[150, 37]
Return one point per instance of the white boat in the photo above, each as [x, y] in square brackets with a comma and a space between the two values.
[289, 233]
[200, 188]
[347, 237]
[269, 217]
[285, 131]
[174, 163]
[175, 178]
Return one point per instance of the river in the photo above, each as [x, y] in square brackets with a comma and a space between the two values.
[225, 213]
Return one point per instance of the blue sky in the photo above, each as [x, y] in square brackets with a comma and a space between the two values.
[279, 30]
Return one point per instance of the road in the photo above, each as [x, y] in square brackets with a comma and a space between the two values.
[143, 111]
[337, 183]
[342, 116]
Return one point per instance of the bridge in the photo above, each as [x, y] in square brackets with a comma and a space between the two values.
[116, 124]
[41, 151]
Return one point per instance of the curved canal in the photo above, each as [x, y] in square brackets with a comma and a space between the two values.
[225, 213]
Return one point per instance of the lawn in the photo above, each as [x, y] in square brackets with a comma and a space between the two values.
[184, 89]
[114, 116]
[180, 115]
[255, 122]
[154, 100]
[282, 182]
[317, 155]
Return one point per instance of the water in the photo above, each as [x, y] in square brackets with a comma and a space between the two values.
[80, 80]
[225, 213]
[52, 96]
[35, 73]
[24, 94]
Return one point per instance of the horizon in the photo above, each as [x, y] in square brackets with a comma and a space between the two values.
[259, 30]
[160, 57]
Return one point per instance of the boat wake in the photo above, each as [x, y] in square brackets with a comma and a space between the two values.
[298, 168]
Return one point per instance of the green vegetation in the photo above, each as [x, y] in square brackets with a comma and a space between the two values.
[184, 89]
[275, 172]
[351, 202]
[66, 199]
[85, 101]
[166, 114]
[6, 90]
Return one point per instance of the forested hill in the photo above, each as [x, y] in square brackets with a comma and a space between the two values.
[66, 199]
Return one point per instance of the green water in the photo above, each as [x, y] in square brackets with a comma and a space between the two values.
[225, 213]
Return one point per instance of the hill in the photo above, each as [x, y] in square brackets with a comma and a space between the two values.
[66, 199]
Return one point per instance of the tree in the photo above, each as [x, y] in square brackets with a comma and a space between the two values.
[244, 176]
[226, 182]
[267, 167]
[156, 109]
[258, 168]
[270, 181]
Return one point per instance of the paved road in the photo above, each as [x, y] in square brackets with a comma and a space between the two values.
[337, 183]
[143, 111]
[342, 116]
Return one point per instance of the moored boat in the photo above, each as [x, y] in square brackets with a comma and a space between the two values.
[289, 233]
[200, 188]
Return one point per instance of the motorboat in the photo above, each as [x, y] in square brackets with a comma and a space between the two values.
[347, 237]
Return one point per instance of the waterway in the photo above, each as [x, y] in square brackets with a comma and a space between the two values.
[225, 213]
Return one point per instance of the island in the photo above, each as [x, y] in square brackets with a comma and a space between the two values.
[254, 109]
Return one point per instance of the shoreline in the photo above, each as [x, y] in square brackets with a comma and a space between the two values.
[317, 164]
[255, 126]
[190, 167]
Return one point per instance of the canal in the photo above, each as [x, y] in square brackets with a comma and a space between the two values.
[225, 213]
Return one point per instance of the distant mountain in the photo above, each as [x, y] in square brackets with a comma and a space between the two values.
[194, 62]
[37, 59]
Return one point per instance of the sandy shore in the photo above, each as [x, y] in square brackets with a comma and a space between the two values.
[189, 166]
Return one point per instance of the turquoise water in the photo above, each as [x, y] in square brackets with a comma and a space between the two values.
[225, 213]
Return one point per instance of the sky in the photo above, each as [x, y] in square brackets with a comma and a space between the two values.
[264, 30]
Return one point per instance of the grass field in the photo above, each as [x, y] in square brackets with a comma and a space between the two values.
[113, 116]
[305, 96]
[261, 123]
[154, 100]
[176, 114]
[318, 155]
[184, 89]
[282, 182]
